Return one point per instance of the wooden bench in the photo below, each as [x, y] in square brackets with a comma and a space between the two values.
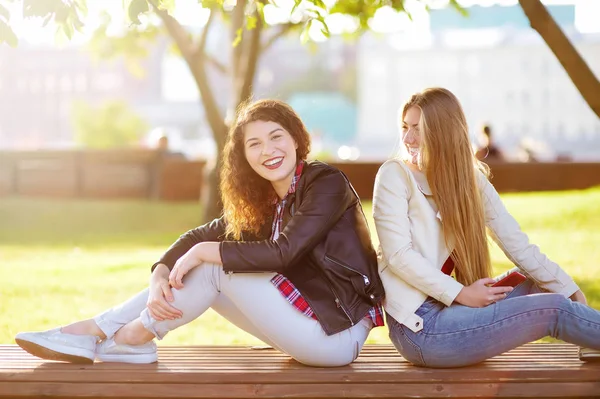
[534, 370]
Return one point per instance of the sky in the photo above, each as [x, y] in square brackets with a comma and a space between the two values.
[189, 12]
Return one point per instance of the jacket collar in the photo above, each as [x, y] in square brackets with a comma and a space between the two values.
[422, 183]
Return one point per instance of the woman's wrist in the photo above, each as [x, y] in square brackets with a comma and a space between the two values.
[161, 271]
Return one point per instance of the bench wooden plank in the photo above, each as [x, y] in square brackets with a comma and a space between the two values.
[534, 370]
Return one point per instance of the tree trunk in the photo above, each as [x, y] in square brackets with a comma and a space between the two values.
[211, 198]
[575, 66]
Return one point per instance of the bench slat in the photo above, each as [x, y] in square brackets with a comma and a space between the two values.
[276, 390]
[533, 370]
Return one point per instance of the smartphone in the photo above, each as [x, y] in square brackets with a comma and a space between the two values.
[512, 279]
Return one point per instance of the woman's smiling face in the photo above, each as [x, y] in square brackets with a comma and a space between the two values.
[271, 152]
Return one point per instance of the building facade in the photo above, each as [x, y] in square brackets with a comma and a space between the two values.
[504, 76]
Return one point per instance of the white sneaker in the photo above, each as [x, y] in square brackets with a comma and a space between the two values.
[109, 351]
[589, 355]
[56, 345]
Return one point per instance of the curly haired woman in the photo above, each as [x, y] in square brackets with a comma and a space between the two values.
[290, 262]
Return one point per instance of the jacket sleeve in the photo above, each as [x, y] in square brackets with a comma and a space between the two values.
[323, 203]
[507, 233]
[213, 231]
[390, 211]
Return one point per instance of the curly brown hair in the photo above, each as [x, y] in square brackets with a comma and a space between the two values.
[247, 197]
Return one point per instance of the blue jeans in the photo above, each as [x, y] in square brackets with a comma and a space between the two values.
[457, 335]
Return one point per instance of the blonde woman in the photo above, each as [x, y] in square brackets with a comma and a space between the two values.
[431, 212]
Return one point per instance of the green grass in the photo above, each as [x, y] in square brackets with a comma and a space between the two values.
[64, 260]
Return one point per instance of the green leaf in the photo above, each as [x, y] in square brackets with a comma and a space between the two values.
[211, 3]
[4, 13]
[304, 36]
[47, 20]
[296, 4]
[168, 5]
[260, 7]
[81, 5]
[463, 11]
[238, 37]
[7, 35]
[41, 8]
[320, 4]
[137, 7]
[251, 21]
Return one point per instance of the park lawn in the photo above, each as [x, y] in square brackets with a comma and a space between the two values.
[63, 260]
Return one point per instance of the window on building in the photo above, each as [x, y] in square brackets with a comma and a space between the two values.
[107, 81]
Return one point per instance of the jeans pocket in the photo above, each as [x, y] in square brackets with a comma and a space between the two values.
[404, 344]
[426, 307]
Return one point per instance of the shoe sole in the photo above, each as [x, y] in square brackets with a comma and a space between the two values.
[589, 358]
[50, 354]
[134, 359]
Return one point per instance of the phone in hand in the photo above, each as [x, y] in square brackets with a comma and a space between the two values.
[511, 279]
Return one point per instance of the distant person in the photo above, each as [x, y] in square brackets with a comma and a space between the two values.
[291, 261]
[432, 208]
[489, 151]
[162, 146]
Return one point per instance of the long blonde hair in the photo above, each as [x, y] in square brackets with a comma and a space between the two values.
[450, 166]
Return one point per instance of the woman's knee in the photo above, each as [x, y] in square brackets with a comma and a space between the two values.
[199, 279]
[552, 301]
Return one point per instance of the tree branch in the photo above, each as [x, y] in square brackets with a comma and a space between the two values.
[201, 47]
[238, 18]
[219, 66]
[194, 57]
[283, 29]
[251, 55]
[175, 30]
[580, 73]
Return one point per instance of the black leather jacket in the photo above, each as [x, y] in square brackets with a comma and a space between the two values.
[324, 248]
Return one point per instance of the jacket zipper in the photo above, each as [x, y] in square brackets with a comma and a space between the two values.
[365, 278]
[339, 305]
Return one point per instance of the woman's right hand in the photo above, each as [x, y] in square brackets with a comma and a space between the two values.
[160, 295]
[481, 294]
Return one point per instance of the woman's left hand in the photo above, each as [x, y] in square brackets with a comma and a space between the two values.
[187, 262]
[207, 251]
[579, 296]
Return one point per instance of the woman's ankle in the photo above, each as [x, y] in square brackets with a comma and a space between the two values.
[133, 333]
[84, 327]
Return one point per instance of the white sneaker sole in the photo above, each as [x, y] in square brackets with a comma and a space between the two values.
[589, 357]
[145, 358]
[49, 350]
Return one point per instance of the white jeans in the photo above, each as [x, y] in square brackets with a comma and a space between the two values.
[251, 302]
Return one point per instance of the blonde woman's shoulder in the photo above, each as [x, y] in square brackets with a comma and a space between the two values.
[393, 171]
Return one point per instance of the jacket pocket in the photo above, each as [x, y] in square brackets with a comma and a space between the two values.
[361, 282]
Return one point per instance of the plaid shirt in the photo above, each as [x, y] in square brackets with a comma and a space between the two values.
[285, 286]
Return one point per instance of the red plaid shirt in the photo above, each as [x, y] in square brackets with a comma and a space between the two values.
[285, 286]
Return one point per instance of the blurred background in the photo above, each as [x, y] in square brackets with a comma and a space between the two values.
[113, 114]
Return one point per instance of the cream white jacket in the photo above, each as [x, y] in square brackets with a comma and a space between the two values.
[412, 249]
